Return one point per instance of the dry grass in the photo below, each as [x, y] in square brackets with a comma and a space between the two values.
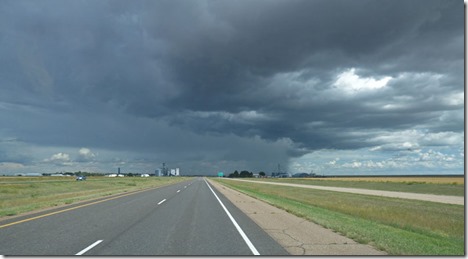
[430, 185]
[432, 180]
[24, 194]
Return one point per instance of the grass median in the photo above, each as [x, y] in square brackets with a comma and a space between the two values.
[397, 226]
[25, 194]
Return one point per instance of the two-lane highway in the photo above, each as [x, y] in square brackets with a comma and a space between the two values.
[188, 218]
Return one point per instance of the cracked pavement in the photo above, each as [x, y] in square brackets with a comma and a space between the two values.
[297, 235]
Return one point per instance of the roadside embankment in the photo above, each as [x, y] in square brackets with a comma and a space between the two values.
[394, 225]
[297, 235]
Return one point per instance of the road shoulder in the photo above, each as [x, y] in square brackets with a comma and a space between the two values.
[297, 235]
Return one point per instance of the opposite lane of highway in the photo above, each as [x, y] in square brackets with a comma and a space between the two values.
[181, 219]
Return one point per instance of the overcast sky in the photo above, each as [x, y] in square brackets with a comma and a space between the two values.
[330, 87]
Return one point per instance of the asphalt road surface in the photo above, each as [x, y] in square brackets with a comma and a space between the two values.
[188, 218]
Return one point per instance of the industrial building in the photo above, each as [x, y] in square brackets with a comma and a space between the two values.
[164, 171]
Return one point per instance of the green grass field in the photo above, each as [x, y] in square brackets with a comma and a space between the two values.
[440, 186]
[24, 194]
[397, 226]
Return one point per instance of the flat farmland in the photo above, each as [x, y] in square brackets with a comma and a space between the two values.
[24, 194]
[430, 185]
[402, 179]
[396, 226]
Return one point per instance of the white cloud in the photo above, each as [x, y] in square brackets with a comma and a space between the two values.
[85, 154]
[437, 160]
[59, 158]
[333, 162]
[240, 117]
[393, 141]
[414, 140]
[354, 164]
[351, 83]
[456, 99]
[436, 156]
[428, 159]
[442, 139]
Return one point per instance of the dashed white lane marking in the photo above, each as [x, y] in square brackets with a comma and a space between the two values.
[178, 190]
[89, 247]
[239, 229]
[185, 187]
[159, 203]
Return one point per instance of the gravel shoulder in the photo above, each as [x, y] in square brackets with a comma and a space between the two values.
[298, 236]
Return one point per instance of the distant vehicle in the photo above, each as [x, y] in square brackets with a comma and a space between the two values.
[145, 175]
[81, 178]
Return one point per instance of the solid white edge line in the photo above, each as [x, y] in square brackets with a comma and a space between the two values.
[159, 203]
[89, 247]
[239, 229]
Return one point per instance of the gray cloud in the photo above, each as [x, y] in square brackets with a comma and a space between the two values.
[248, 84]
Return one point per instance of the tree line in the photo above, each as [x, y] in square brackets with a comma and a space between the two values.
[244, 174]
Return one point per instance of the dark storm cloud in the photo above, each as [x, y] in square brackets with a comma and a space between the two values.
[284, 37]
[143, 75]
